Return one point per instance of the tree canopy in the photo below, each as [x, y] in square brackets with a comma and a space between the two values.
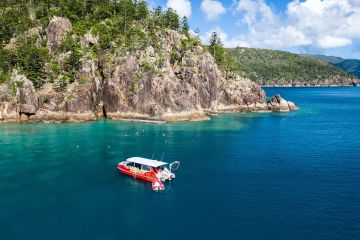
[119, 25]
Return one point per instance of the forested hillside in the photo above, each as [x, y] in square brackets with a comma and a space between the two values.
[271, 67]
[348, 65]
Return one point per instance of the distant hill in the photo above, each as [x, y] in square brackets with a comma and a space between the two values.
[351, 66]
[272, 67]
[348, 65]
[324, 58]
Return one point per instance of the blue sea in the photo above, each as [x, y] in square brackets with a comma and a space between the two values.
[243, 176]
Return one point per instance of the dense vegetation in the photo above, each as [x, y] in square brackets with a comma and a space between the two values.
[128, 26]
[348, 65]
[121, 26]
[270, 67]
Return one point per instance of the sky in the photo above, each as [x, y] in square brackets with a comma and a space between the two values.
[329, 27]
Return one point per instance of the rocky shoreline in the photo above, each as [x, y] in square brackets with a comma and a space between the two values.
[177, 81]
[275, 104]
[307, 85]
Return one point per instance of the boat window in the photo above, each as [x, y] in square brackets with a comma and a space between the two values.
[145, 168]
[137, 165]
[129, 164]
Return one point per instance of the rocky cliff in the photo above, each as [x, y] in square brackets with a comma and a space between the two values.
[171, 82]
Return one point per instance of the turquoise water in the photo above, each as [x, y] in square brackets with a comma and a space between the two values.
[242, 176]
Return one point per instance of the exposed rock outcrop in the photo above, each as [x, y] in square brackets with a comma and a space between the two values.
[241, 94]
[76, 105]
[9, 111]
[185, 89]
[22, 102]
[26, 95]
[4, 92]
[56, 31]
[89, 39]
[278, 104]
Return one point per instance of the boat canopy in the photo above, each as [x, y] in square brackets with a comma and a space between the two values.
[145, 161]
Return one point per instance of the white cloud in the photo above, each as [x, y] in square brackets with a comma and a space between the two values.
[182, 7]
[254, 11]
[323, 24]
[228, 42]
[212, 8]
[333, 42]
[284, 37]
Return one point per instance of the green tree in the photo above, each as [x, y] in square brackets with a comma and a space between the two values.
[13, 21]
[216, 49]
[142, 10]
[4, 65]
[171, 19]
[185, 26]
[30, 60]
[72, 63]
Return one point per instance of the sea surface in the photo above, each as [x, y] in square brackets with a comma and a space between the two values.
[242, 176]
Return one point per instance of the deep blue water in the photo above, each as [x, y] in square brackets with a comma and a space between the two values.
[242, 176]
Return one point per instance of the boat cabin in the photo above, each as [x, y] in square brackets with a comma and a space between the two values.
[144, 164]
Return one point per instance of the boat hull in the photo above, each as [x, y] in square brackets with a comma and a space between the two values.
[147, 176]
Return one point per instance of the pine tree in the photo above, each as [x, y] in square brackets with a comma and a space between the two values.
[185, 25]
[197, 31]
[216, 49]
[157, 18]
[142, 10]
[172, 20]
[30, 60]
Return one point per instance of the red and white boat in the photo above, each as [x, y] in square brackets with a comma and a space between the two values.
[149, 170]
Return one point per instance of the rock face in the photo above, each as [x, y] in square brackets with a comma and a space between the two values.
[184, 88]
[26, 94]
[89, 39]
[80, 99]
[77, 104]
[24, 102]
[171, 83]
[4, 93]
[56, 31]
[278, 104]
[241, 94]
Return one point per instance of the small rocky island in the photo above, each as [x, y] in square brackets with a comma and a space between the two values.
[173, 79]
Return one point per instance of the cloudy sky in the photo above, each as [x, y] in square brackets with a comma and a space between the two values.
[330, 27]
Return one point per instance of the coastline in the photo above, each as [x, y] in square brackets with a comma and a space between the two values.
[275, 104]
[178, 117]
[185, 116]
[189, 116]
[306, 86]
